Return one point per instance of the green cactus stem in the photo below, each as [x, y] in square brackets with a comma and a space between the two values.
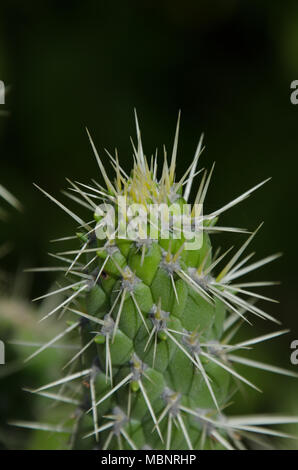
[154, 321]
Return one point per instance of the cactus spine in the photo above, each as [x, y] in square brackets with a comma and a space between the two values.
[156, 363]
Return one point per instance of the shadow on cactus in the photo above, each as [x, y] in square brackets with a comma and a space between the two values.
[156, 365]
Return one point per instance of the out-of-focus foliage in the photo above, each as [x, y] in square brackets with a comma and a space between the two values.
[19, 329]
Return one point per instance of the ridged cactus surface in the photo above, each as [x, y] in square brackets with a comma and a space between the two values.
[154, 320]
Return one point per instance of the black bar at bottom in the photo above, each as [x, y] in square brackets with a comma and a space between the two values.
[138, 459]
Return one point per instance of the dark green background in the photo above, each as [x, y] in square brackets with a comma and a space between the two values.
[227, 65]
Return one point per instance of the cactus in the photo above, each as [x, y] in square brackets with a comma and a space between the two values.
[154, 320]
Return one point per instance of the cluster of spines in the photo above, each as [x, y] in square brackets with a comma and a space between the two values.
[144, 186]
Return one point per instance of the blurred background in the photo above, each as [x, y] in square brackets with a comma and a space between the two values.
[227, 65]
